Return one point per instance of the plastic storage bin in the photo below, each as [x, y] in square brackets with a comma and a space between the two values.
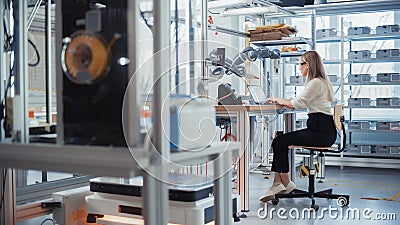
[362, 54]
[297, 79]
[321, 33]
[387, 77]
[358, 78]
[394, 150]
[333, 79]
[382, 149]
[359, 125]
[359, 101]
[354, 148]
[358, 30]
[387, 29]
[365, 149]
[388, 54]
[382, 125]
[387, 101]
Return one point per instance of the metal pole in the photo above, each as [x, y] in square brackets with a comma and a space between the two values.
[223, 195]
[132, 110]
[2, 67]
[204, 45]
[48, 64]
[176, 49]
[8, 212]
[156, 211]
[20, 101]
[189, 24]
[313, 31]
[59, 74]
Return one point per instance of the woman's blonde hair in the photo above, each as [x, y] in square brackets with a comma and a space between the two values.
[316, 69]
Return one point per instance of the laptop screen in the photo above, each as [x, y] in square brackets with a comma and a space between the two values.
[257, 93]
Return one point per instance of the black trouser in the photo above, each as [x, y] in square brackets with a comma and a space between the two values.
[320, 131]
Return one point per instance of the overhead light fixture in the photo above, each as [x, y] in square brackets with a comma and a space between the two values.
[227, 3]
[249, 11]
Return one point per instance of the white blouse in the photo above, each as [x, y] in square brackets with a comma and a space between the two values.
[315, 97]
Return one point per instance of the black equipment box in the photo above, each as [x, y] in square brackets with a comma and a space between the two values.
[94, 36]
[184, 188]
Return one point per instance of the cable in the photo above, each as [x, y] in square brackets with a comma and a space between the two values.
[273, 119]
[48, 219]
[214, 13]
[37, 54]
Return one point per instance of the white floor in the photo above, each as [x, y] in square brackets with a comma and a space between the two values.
[370, 190]
[374, 193]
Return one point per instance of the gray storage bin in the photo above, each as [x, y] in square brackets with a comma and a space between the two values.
[354, 148]
[359, 125]
[382, 149]
[395, 77]
[333, 79]
[394, 125]
[382, 125]
[362, 54]
[383, 102]
[366, 149]
[394, 150]
[321, 33]
[387, 77]
[358, 78]
[387, 102]
[359, 101]
[388, 54]
[358, 30]
[387, 29]
[297, 79]
[394, 102]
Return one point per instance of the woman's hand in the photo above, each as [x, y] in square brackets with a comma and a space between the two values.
[284, 102]
[273, 100]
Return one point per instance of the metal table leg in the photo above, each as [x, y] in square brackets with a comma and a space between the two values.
[243, 131]
[223, 195]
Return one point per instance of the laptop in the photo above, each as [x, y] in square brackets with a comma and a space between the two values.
[257, 94]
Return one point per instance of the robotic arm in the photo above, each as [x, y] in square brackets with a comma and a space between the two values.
[235, 66]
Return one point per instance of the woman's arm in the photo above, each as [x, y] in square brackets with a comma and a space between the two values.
[285, 102]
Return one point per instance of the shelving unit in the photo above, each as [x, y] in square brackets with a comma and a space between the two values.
[371, 148]
[349, 158]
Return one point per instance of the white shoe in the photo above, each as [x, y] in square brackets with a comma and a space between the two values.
[270, 194]
[289, 188]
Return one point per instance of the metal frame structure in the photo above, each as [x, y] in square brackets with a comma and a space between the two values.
[96, 160]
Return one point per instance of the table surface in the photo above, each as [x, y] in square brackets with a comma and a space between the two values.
[227, 108]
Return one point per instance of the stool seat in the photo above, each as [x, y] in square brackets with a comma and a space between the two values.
[319, 148]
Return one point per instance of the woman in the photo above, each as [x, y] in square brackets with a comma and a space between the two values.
[317, 98]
